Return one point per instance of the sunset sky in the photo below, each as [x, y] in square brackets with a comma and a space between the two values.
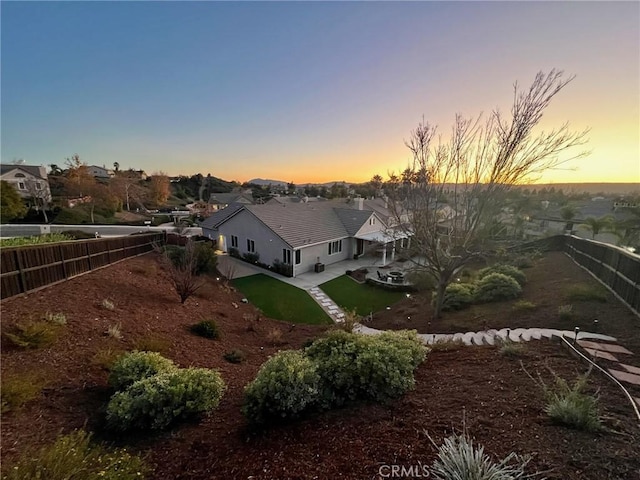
[305, 92]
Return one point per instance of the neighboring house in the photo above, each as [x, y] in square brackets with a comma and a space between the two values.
[100, 172]
[30, 181]
[218, 201]
[302, 235]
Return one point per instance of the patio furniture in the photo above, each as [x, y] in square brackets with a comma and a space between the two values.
[396, 277]
[382, 278]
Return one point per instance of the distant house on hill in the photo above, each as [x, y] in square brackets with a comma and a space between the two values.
[303, 236]
[29, 180]
[218, 201]
[100, 172]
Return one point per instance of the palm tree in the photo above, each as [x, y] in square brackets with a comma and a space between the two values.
[597, 224]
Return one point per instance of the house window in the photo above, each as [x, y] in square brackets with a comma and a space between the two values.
[38, 186]
[335, 247]
[21, 186]
[19, 175]
[251, 246]
[298, 259]
[286, 256]
[372, 220]
[234, 241]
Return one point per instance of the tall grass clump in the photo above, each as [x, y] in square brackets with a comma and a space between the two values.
[587, 293]
[19, 389]
[75, 457]
[570, 406]
[459, 459]
[31, 333]
[206, 329]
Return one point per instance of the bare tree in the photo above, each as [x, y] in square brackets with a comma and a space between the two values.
[40, 196]
[446, 199]
[182, 270]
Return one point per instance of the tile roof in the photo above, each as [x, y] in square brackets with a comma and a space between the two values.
[220, 216]
[301, 224]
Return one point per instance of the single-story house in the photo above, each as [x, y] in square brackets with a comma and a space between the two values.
[100, 172]
[305, 236]
[218, 201]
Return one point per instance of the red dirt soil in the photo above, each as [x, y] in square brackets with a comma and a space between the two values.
[502, 407]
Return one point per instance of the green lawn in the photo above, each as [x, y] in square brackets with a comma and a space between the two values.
[363, 298]
[281, 301]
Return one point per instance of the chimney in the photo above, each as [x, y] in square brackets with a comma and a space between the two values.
[359, 203]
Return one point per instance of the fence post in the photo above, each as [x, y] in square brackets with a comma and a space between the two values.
[23, 280]
[88, 255]
[64, 263]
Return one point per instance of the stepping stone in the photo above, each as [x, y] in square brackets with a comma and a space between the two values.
[502, 333]
[340, 315]
[514, 335]
[467, 338]
[489, 338]
[631, 369]
[612, 348]
[625, 376]
[548, 332]
[526, 336]
[478, 338]
[596, 336]
[326, 303]
[601, 354]
[458, 337]
[535, 333]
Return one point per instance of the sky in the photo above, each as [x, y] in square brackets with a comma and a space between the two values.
[305, 91]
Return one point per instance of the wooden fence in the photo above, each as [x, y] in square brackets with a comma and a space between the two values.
[28, 268]
[615, 267]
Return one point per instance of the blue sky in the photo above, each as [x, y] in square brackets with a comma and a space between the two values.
[304, 91]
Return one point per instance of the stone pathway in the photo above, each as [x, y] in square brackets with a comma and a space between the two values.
[327, 304]
[598, 346]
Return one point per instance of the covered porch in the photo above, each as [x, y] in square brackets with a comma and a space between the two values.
[385, 244]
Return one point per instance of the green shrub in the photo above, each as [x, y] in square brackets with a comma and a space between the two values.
[446, 345]
[354, 367]
[235, 356]
[495, 287]
[587, 293]
[571, 407]
[508, 270]
[286, 386]
[19, 389]
[421, 280]
[457, 296]
[136, 365]
[33, 334]
[73, 457]
[157, 401]
[78, 234]
[459, 459]
[205, 328]
[251, 257]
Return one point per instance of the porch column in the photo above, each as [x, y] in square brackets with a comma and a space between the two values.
[393, 251]
[384, 254]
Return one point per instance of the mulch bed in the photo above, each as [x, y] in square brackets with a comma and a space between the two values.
[475, 388]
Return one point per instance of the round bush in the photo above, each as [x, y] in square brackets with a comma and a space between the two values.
[457, 296]
[354, 367]
[286, 386]
[497, 286]
[508, 270]
[134, 366]
[157, 401]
